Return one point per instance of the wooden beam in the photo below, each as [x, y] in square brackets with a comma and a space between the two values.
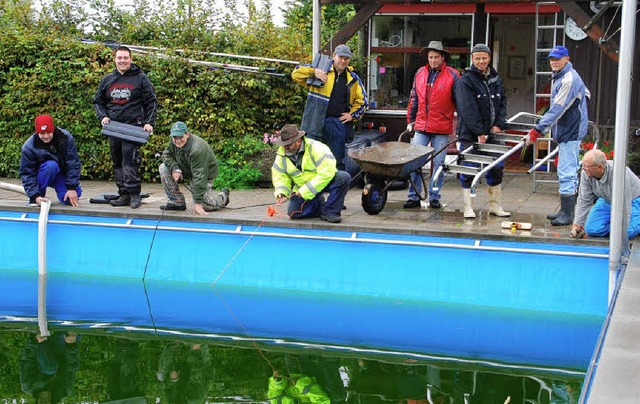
[573, 10]
[362, 16]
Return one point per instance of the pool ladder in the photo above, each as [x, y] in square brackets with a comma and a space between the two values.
[486, 155]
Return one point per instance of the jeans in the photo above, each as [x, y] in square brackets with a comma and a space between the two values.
[568, 165]
[49, 175]
[300, 208]
[599, 220]
[437, 141]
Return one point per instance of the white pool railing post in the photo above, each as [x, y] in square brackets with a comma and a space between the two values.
[42, 268]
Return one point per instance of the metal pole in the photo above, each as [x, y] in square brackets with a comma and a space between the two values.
[618, 243]
[315, 29]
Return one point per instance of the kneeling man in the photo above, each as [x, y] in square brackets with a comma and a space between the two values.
[188, 156]
[49, 158]
[304, 169]
[593, 210]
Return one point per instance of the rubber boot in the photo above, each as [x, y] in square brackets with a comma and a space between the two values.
[468, 205]
[567, 205]
[553, 216]
[495, 201]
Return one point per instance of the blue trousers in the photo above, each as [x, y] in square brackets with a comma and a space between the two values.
[599, 220]
[300, 208]
[334, 135]
[49, 175]
[437, 141]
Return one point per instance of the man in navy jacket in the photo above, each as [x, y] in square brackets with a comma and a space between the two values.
[50, 159]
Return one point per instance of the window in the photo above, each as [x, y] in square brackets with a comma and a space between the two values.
[394, 57]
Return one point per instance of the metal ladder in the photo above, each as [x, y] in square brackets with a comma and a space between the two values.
[549, 33]
[485, 155]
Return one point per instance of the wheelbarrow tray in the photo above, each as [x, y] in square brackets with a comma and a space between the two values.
[392, 159]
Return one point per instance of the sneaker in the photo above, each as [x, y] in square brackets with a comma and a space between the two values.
[225, 191]
[136, 201]
[435, 204]
[173, 206]
[123, 200]
[410, 204]
[331, 218]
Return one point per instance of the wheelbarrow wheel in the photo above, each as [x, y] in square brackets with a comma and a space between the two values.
[374, 197]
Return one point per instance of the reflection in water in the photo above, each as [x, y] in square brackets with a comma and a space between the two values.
[144, 368]
[48, 366]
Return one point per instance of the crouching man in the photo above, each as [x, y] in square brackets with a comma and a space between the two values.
[49, 158]
[593, 210]
[188, 156]
[304, 169]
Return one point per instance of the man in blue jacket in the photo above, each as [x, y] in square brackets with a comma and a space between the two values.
[49, 159]
[568, 119]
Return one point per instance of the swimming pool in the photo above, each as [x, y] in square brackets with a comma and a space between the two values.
[481, 300]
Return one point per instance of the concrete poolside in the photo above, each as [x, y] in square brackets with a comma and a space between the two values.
[250, 207]
[618, 368]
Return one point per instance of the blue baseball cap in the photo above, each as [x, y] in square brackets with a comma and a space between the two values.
[558, 52]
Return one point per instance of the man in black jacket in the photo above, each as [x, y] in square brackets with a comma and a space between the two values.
[49, 159]
[482, 109]
[126, 95]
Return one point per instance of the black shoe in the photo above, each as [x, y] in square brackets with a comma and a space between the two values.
[410, 204]
[331, 218]
[435, 204]
[123, 200]
[173, 206]
[226, 192]
[136, 201]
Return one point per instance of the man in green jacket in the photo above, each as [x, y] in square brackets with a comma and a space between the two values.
[188, 156]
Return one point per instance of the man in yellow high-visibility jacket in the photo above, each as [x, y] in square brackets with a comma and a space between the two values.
[303, 170]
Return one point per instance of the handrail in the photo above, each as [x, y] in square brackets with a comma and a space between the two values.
[42, 268]
[350, 238]
[502, 158]
[544, 160]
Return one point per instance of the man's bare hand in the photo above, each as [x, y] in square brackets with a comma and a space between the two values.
[72, 197]
[198, 209]
[105, 120]
[280, 199]
[177, 176]
[321, 75]
[577, 231]
[345, 117]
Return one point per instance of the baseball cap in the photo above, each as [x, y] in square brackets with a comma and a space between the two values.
[178, 129]
[558, 52]
[343, 50]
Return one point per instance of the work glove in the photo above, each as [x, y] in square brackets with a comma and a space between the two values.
[410, 127]
[577, 231]
[532, 136]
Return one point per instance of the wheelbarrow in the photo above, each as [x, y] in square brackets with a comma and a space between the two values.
[388, 162]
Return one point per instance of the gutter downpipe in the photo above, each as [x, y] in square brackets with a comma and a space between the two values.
[315, 28]
[618, 242]
[42, 268]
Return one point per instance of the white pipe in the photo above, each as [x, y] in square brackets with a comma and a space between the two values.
[618, 242]
[11, 187]
[315, 28]
[42, 268]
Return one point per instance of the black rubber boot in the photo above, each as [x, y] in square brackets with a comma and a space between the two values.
[553, 216]
[567, 204]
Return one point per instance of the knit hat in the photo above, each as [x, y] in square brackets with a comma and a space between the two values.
[178, 129]
[480, 47]
[44, 124]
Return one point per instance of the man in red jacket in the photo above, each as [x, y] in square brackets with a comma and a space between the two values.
[430, 114]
